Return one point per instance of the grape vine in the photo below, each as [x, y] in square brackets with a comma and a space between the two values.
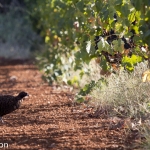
[119, 46]
[115, 31]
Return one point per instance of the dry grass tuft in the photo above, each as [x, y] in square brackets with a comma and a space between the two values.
[126, 93]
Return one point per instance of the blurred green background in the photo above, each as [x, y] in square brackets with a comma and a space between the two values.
[17, 38]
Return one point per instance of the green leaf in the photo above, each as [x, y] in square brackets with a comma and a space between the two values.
[87, 88]
[103, 45]
[118, 45]
[137, 4]
[131, 16]
[125, 11]
[98, 5]
[130, 62]
[118, 2]
[79, 99]
[103, 63]
[80, 6]
[81, 73]
[147, 34]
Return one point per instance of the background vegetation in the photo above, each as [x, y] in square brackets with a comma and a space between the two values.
[113, 33]
[17, 37]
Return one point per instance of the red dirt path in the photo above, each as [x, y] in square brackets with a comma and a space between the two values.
[48, 119]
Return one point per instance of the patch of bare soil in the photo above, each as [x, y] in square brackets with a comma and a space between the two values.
[48, 119]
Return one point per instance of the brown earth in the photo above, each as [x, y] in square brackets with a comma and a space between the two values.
[48, 119]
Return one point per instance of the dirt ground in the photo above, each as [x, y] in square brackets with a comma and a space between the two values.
[48, 119]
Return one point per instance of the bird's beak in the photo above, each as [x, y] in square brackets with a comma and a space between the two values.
[26, 96]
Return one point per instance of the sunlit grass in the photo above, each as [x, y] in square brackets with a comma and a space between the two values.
[125, 93]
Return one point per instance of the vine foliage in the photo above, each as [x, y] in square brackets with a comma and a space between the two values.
[117, 32]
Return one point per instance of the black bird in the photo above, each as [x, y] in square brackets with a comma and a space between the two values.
[10, 103]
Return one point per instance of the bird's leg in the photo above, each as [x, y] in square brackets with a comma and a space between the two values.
[1, 120]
